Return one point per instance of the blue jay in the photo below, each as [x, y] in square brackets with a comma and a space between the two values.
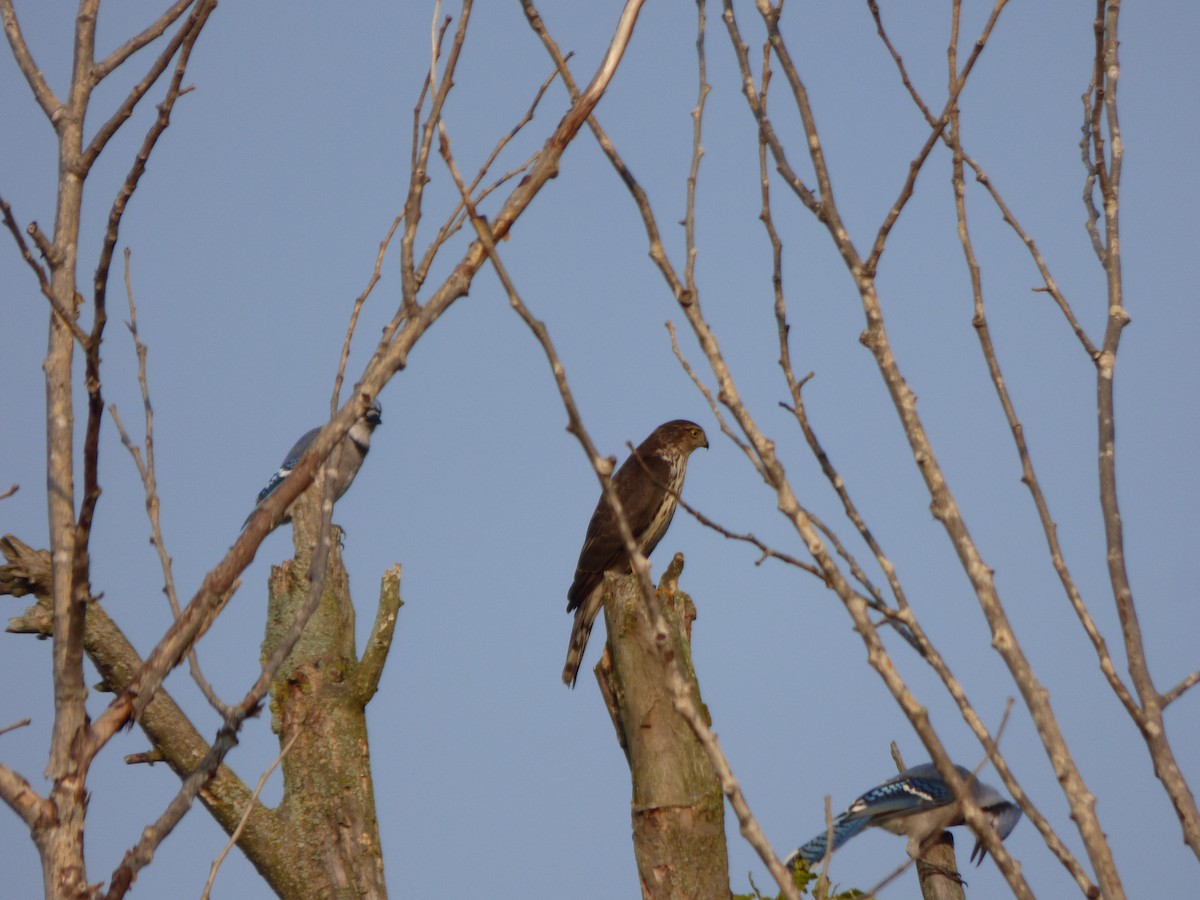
[346, 458]
[917, 803]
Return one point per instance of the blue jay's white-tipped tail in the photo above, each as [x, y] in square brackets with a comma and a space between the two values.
[845, 827]
[346, 459]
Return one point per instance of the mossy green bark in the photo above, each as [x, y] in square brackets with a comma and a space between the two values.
[318, 699]
[678, 809]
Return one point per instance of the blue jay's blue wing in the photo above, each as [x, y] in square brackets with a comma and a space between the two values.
[285, 468]
[916, 789]
[906, 805]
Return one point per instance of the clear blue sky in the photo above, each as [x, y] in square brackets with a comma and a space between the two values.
[257, 224]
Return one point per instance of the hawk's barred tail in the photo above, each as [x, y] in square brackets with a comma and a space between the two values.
[585, 617]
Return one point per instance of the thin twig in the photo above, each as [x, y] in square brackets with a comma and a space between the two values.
[357, 308]
[147, 470]
[18, 794]
[1051, 285]
[184, 41]
[237, 832]
[795, 386]
[693, 177]
[181, 42]
[20, 723]
[1029, 475]
[874, 890]
[379, 642]
[152, 32]
[64, 316]
[766, 551]
[713, 406]
[1176, 692]
[958, 85]
[31, 70]
[458, 215]
[422, 144]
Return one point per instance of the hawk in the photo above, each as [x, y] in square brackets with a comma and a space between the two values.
[648, 485]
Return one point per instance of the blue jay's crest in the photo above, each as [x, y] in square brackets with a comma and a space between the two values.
[916, 803]
[347, 458]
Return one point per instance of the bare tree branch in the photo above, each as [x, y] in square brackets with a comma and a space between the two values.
[379, 643]
[22, 799]
[944, 506]
[1108, 170]
[147, 472]
[1176, 692]
[1029, 477]
[1051, 285]
[458, 215]
[20, 723]
[33, 74]
[187, 37]
[64, 316]
[410, 284]
[358, 305]
[182, 42]
[60, 839]
[154, 30]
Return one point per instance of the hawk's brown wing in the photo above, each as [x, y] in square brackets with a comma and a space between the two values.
[639, 486]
